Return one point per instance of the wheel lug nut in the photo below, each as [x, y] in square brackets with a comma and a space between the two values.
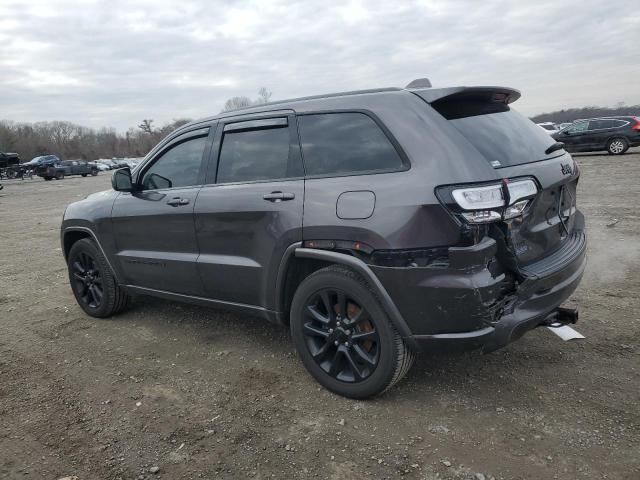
[346, 344]
[336, 343]
[348, 332]
[331, 330]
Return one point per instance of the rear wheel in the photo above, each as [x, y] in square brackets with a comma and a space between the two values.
[343, 335]
[92, 281]
[94, 173]
[617, 146]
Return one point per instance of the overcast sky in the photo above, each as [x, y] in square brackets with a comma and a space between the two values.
[113, 63]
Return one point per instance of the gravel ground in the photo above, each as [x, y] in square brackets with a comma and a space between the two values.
[175, 391]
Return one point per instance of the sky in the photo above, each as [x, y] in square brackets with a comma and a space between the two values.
[113, 63]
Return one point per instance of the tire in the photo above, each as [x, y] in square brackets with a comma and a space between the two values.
[48, 178]
[59, 175]
[83, 174]
[617, 146]
[94, 173]
[369, 356]
[92, 281]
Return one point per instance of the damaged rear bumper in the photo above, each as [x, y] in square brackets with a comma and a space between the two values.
[468, 305]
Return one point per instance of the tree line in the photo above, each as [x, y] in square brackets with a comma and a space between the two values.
[70, 141]
[571, 114]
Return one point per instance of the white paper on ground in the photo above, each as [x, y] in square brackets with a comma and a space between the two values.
[565, 332]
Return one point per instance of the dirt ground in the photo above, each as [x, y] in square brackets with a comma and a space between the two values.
[198, 393]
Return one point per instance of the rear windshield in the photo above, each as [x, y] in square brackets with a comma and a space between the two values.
[506, 138]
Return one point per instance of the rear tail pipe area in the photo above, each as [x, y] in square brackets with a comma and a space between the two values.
[562, 316]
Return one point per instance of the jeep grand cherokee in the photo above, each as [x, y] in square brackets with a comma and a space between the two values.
[376, 224]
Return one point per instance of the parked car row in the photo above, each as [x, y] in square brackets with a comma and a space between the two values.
[612, 134]
[114, 163]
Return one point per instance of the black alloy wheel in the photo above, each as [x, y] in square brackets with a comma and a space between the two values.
[87, 280]
[340, 335]
[344, 336]
[93, 282]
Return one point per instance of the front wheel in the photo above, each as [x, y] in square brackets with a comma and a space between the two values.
[617, 146]
[92, 281]
[344, 337]
[94, 173]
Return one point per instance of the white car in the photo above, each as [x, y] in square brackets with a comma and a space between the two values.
[549, 127]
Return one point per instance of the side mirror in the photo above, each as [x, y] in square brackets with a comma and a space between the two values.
[121, 180]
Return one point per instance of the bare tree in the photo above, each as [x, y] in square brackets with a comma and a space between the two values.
[235, 103]
[146, 126]
[264, 96]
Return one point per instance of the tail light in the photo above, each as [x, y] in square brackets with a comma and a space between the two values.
[636, 127]
[490, 203]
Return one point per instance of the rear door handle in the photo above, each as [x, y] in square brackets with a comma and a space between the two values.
[177, 201]
[279, 196]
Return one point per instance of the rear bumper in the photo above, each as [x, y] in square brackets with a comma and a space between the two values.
[466, 307]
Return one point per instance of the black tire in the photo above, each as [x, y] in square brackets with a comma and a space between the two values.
[617, 146]
[364, 337]
[59, 175]
[48, 178]
[94, 173]
[83, 174]
[98, 295]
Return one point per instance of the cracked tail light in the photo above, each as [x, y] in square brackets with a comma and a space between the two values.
[493, 203]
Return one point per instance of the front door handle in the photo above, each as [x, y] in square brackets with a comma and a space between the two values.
[279, 196]
[177, 201]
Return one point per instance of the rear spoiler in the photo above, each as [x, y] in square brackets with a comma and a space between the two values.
[460, 102]
[508, 95]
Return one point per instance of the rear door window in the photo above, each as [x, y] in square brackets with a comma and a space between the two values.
[345, 144]
[257, 153]
[600, 124]
[578, 127]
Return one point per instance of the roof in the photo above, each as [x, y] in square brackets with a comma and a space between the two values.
[428, 94]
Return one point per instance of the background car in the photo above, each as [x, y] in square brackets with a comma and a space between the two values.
[613, 134]
[43, 160]
[101, 166]
[548, 127]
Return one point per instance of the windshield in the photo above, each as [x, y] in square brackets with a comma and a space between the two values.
[506, 138]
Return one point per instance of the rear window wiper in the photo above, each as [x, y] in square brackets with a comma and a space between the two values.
[555, 147]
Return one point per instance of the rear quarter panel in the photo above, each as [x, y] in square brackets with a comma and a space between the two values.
[407, 213]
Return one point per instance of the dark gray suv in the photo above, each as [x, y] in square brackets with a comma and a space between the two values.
[376, 224]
